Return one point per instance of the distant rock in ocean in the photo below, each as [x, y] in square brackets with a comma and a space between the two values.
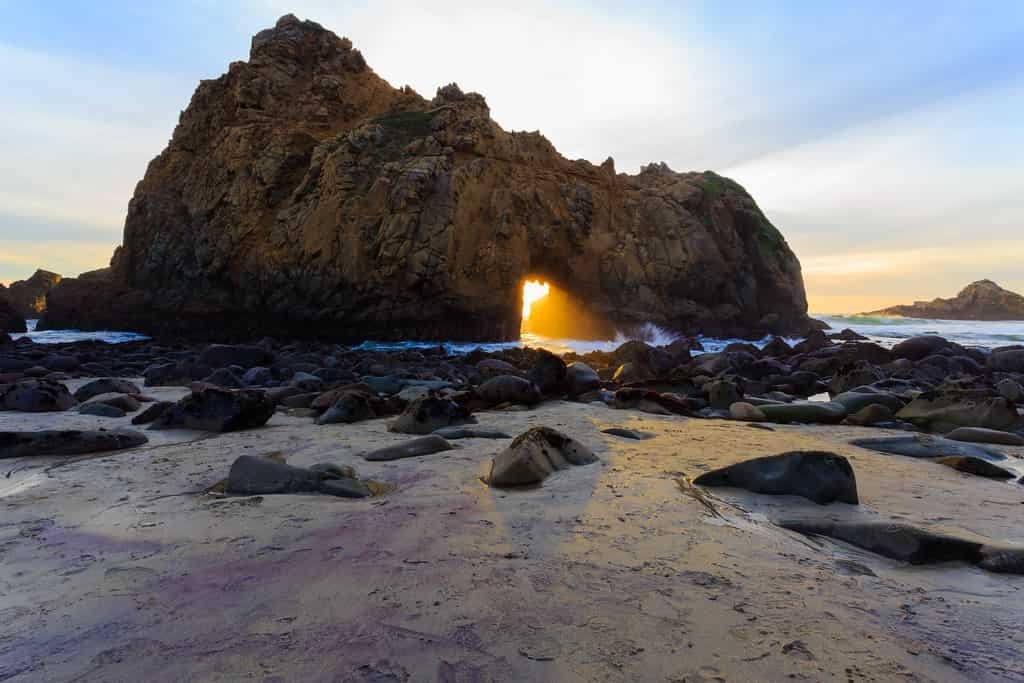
[981, 300]
[302, 195]
[28, 297]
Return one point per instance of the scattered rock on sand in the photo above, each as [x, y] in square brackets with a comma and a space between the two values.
[816, 475]
[926, 446]
[214, 409]
[428, 414]
[67, 442]
[425, 445]
[549, 374]
[911, 544]
[628, 433]
[943, 412]
[581, 378]
[256, 475]
[534, 455]
[36, 396]
[349, 406]
[125, 402]
[982, 435]
[106, 385]
[970, 465]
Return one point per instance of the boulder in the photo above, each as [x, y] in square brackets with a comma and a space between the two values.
[258, 376]
[534, 455]
[722, 393]
[28, 297]
[224, 377]
[453, 433]
[746, 412]
[106, 385]
[428, 414]
[820, 476]
[351, 405]
[944, 412]
[67, 442]
[509, 389]
[215, 409]
[893, 540]
[927, 446]
[425, 445]
[1011, 360]
[855, 401]
[624, 433]
[981, 435]
[97, 409]
[581, 378]
[151, 413]
[252, 475]
[920, 347]
[36, 396]
[549, 374]
[126, 402]
[808, 412]
[10, 319]
[976, 466]
[869, 415]
[1010, 390]
[254, 220]
[852, 376]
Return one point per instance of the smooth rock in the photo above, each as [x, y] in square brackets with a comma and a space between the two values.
[869, 415]
[981, 435]
[634, 434]
[97, 409]
[256, 475]
[214, 409]
[927, 446]
[746, 412]
[425, 445]
[350, 406]
[106, 385]
[536, 454]
[549, 374]
[894, 540]
[940, 411]
[453, 433]
[151, 413]
[809, 412]
[67, 442]
[581, 378]
[976, 466]
[509, 389]
[428, 414]
[820, 476]
[36, 396]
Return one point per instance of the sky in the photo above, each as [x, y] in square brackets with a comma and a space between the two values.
[884, 139]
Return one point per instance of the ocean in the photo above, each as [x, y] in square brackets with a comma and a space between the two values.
[884, 331]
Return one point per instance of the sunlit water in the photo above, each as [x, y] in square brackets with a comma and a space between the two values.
[884, 331]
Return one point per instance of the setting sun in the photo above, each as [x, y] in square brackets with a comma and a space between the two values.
[533, 291]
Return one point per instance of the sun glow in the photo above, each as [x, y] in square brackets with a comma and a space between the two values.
[533, 291]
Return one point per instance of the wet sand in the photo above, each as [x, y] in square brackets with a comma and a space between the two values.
[118, 567]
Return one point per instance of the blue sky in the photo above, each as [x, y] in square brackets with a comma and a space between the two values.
[885, 139]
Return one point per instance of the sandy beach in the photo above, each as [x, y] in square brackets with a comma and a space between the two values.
[120, 568]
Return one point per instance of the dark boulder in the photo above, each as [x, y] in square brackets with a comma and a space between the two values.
[917, 348]
[220, 355]
[36, 396]
[215, 409]
[106, 385]
[536, 454]
[549, 374]
[428, 414]
[425, 445]
[509, 389]
[67, 442]
[819, 476]
[255, 475]
[10, 319]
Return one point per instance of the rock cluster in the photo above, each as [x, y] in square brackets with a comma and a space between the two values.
[981, 300]
[28, 297]
[303, 196]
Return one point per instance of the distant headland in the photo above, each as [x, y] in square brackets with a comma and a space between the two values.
[981, 300]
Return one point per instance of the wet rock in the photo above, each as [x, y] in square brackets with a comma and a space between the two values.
[549, 374]
[975, 466]
[220, 355]
[746, 412]
[628, 433]
[869, 415]
[255, 475]
[428, 414]
[509, 389]
[106, 385]
[536, 454]
[215, 409]
[808, 412]
[917, 348]
[10, 319]
[425, 445]
[941, 412]
[926, 446]
[1011, 360]
[893, 540]
[981, 435]
[36, 396]
[453, 433]
[67, 442]
[1010, 390]
[97, 409]
[581, 378]
[855, 401]
[349, 406]
[820, 476]
[151, 413]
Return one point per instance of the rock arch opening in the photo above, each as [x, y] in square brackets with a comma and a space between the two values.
[549, 311]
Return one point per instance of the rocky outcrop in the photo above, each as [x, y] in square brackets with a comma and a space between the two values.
[981, 300]
[28, 297]
[10, 319]
[301, 194]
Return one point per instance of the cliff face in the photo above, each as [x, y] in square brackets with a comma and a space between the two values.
[981, 300]
[302, 195]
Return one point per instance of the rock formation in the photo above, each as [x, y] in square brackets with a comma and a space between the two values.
[303, 195]
[10, 319]
[981, 300]
[28, 297]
